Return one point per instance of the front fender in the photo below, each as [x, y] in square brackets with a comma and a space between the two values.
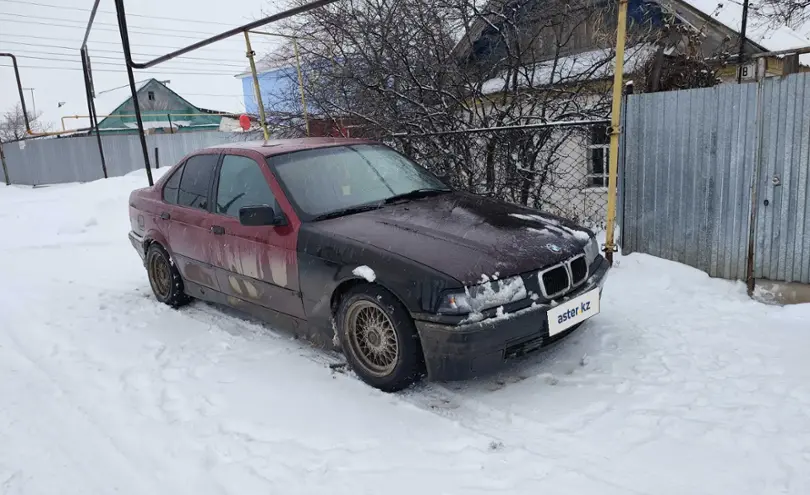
[327, 263]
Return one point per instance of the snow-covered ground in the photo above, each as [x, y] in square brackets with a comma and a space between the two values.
[681, 386]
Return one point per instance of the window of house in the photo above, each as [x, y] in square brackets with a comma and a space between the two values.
[150, 95]
[172, 185]
[241, 183]
[196, 180]
[598, 156]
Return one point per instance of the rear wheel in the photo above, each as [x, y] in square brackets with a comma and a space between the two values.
[379, 338]
[164, 277]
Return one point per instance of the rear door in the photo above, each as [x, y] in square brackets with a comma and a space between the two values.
[187, 220]
[258, 264]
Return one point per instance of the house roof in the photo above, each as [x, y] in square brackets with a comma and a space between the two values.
[758, 30]
[142, 88]
[723, 15]
[585, 66]
[144, 85]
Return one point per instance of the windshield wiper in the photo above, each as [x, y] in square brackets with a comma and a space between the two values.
[418, 193]
[348, 211]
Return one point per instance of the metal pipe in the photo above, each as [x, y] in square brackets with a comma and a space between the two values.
[88, 84]
[91, 108]
[65, 129]
[750, 281]
[119, 4]
[301, 84]
[33, 101]
[743, 28]
[298, 69]
[797, 51]
[171, 127]
[122, 27]
[90, 23]
[157, 158]
[19, 90]
[256, 88]
[148, 115]
[3, 161]
[615, 131]
[560, 123]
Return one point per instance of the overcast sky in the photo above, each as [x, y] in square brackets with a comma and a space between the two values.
[45, 35]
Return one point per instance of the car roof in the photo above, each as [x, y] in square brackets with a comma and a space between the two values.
[280, 146]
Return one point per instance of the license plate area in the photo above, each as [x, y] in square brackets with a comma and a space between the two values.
[570, 313]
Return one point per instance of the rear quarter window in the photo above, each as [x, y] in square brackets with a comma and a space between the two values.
[172, 186]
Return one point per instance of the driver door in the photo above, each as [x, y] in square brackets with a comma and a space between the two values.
[257, 264]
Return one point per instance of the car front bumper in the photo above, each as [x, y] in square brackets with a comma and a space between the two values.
[459, 352]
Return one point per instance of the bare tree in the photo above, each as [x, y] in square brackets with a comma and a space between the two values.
[426, 76]
[793, 13]
[12, 124]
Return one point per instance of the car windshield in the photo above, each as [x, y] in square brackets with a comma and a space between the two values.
[339, 179]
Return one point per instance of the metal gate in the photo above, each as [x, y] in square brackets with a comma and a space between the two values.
[782, 249]
[688, 162]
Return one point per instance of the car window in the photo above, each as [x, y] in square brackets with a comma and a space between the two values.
[241, 183]
[328, 179]
[196, 180]
[172, 185]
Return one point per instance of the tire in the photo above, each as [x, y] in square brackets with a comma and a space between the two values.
[369, 318]
[166, 282]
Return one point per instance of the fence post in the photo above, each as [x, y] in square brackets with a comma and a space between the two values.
[3, 161]
[615, 123]
[157, 158]
[750, 282]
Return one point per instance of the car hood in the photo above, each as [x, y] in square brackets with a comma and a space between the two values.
[465, 236]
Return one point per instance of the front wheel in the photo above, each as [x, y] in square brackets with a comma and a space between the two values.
[379, 339]
[164, 277]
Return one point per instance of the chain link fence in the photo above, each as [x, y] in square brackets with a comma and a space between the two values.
[558, 168]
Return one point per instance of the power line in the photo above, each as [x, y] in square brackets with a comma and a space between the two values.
[102, 50]
[51, 38]
[82, 24]
[151, 71]
[121, 64]
[24, 54]
[79, 9]
[184, 93]
[115, 30]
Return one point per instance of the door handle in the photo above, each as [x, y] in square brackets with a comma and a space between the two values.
[165, 215]
[217, 230]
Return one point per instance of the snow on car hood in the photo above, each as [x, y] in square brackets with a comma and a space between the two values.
[465, 236]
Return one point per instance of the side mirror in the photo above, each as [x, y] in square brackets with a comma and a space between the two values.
[255, 216]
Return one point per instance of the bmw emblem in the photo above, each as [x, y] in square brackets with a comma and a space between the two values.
[553, 248]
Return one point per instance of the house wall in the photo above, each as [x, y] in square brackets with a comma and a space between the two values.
[279, 90]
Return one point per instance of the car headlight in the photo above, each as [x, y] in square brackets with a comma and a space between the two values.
[484, 296]
[591, 251]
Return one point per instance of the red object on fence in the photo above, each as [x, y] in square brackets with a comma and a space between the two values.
[244, 122]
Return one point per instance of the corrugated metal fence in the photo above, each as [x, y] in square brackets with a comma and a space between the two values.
[689, 160]
[76, 159]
